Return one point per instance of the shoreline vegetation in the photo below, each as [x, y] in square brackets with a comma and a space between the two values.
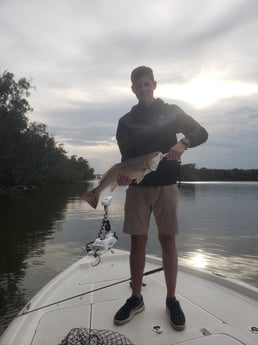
[31, 158]
[189, 172]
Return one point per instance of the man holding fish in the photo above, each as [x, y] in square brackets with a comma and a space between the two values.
[151, 128]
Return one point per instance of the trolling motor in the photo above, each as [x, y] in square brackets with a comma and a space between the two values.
[105, 239]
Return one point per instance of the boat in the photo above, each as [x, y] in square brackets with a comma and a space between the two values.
[78, 305]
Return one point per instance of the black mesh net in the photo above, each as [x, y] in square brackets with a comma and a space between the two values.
[86, 336]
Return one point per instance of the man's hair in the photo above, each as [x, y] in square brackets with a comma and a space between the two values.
[138, 72]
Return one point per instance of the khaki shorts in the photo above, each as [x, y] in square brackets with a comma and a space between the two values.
[142, 201]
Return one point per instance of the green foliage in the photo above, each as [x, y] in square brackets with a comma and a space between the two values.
[190, 173]
[28, 154]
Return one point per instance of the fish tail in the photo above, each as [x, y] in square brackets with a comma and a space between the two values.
[91, 197]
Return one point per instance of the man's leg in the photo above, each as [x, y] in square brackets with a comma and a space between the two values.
[137, 262]
[170, 262]
[137, 216]
[134, 304]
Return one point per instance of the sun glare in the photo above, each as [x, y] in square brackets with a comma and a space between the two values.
[207, 89]
[199, 260]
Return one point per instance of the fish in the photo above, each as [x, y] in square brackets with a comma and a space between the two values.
[136, 168]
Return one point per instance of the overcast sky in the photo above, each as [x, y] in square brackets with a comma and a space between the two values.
[79, 55]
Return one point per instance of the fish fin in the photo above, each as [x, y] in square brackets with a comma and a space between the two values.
[113, 186]
[91, 197]
[140, 178]
[109, 170]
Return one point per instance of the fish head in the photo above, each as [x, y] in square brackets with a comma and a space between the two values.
[153, 161]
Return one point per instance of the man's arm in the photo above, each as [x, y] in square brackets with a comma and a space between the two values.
[193, 131]
[175, 152]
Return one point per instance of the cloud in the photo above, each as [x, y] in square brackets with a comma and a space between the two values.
[207, 89]
[79, 56]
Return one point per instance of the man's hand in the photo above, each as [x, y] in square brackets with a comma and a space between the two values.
[175, 152]
[123, 179]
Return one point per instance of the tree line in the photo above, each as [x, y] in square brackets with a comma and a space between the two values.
[29, 155]
[189, 172]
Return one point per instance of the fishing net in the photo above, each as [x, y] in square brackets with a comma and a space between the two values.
[86, 336]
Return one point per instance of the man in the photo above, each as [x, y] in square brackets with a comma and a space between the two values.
[150, 126]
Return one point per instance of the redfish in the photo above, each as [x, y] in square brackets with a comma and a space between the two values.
[136, 169]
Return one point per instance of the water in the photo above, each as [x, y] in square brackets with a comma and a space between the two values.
[42, 232]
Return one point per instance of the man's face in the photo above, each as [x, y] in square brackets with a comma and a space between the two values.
[144, 88]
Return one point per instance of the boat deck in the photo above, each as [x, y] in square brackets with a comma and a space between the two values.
[218, 311]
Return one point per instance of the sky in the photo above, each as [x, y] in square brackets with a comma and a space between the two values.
[78, 54]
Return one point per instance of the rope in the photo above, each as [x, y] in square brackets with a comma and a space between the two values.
[87, 292]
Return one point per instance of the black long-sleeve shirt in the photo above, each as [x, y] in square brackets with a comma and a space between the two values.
[153, 128]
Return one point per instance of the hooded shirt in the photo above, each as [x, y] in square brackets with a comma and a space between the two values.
[152, 128]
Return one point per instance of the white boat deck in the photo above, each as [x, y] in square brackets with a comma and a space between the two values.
[218, 311]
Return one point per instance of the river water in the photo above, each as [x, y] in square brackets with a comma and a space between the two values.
[42, 232]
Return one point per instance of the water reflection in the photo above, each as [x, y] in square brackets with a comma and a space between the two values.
[187, 190]
[198, 259]
[27, 223]
[241, 268]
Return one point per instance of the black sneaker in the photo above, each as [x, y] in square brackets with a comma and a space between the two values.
[133, 305]
[177, 317]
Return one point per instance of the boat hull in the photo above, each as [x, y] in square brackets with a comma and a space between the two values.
[218, 310]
